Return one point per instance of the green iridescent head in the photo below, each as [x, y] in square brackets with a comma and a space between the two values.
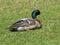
[35, 13]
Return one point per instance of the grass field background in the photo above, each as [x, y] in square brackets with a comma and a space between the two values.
[13, 10]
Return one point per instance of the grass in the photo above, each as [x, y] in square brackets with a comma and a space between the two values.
[13, 10]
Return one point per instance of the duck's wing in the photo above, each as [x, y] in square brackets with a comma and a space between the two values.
[17, 24]
[20, 23]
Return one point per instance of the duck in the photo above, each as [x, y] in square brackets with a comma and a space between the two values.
[27, 23]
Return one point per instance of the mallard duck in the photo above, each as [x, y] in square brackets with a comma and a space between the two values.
[27, 23]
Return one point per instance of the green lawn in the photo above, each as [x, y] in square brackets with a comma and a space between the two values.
[13, 10]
